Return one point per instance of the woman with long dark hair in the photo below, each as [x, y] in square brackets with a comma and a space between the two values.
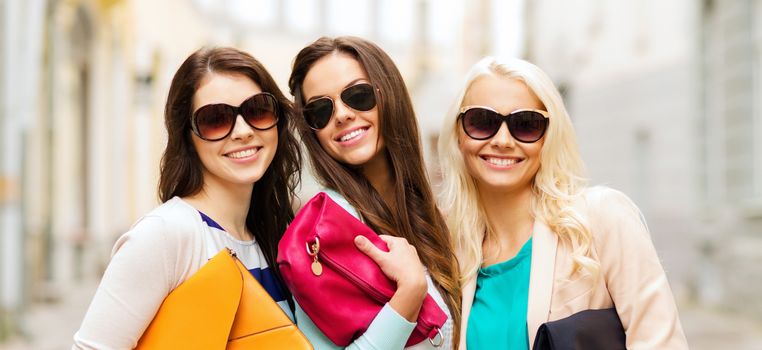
[362, 136]
[227, 176]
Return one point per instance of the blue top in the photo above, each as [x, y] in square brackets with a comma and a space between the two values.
[257, 265]
[250, 255]
[498, 318]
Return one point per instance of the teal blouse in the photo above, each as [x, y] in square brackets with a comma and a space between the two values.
[498, 318]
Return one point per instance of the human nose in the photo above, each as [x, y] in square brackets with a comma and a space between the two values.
[343, 113]
[241, 130]
[503, 138]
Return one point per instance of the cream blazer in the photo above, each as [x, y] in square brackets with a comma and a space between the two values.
[631, 276]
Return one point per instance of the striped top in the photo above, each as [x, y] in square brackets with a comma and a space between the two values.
[250, 255]
[162, 250]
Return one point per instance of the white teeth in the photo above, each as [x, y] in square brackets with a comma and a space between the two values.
[242, 154]
[501, 161]
[352, 135]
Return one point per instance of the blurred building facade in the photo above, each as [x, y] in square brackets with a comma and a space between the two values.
[83, 89]
[665, 99]
[72, 108]
[83, 92]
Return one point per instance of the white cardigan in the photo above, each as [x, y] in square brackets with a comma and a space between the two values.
[159, 252]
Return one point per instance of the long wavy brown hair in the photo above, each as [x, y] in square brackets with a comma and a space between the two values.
[181, 169]
[416, 217]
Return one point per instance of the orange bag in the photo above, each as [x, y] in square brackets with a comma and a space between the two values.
[221, 306]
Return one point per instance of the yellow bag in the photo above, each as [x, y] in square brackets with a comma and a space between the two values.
[221, 306]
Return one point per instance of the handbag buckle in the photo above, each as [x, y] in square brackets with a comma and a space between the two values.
[313, 250]
[441, 339]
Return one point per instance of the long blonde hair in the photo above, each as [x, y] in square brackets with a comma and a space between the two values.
[558, 182]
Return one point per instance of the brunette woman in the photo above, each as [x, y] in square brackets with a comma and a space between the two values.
[227, 176]
[361, 133]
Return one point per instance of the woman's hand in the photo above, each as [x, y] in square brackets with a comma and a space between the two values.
[402, 265]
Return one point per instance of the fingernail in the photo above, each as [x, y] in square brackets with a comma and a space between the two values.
[360, 241]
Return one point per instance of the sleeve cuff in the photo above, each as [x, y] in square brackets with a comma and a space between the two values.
[389, 330]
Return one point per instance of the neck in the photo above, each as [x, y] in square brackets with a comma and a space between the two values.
[227, 205]
[509, 215]
[378, 173]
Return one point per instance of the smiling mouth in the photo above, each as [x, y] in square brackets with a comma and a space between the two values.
[352, 135]
[243, 154]
[502, 161]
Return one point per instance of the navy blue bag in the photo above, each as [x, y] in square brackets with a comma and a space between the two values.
[589, 330]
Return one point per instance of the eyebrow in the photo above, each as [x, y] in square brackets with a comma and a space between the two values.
[353, 82]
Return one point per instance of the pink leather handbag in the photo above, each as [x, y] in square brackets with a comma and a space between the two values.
[340, 288]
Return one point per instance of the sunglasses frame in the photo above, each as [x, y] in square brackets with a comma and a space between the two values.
[237, 109]
[504, 120]
[376, 96]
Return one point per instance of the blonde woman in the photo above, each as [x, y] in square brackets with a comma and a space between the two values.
[535, 244]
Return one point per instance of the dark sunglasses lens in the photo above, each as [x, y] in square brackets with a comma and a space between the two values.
[318, 112]
[360, 97]
[527, 126]
[481, 124]
[214, 122]
[260, 111]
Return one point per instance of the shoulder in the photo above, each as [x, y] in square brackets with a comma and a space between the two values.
[612, 216]
[341, 200]
[172, 224]
[601, 203]
[601, 197]
[175, 210]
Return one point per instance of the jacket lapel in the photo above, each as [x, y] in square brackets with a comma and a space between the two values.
[541, 277]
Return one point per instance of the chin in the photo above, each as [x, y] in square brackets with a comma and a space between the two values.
[500, 185]
[352, 162]
[358, 158]
[251, 178]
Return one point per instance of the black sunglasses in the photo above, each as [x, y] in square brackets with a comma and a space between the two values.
[215, 122]
[361, 97]
[525, 125]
